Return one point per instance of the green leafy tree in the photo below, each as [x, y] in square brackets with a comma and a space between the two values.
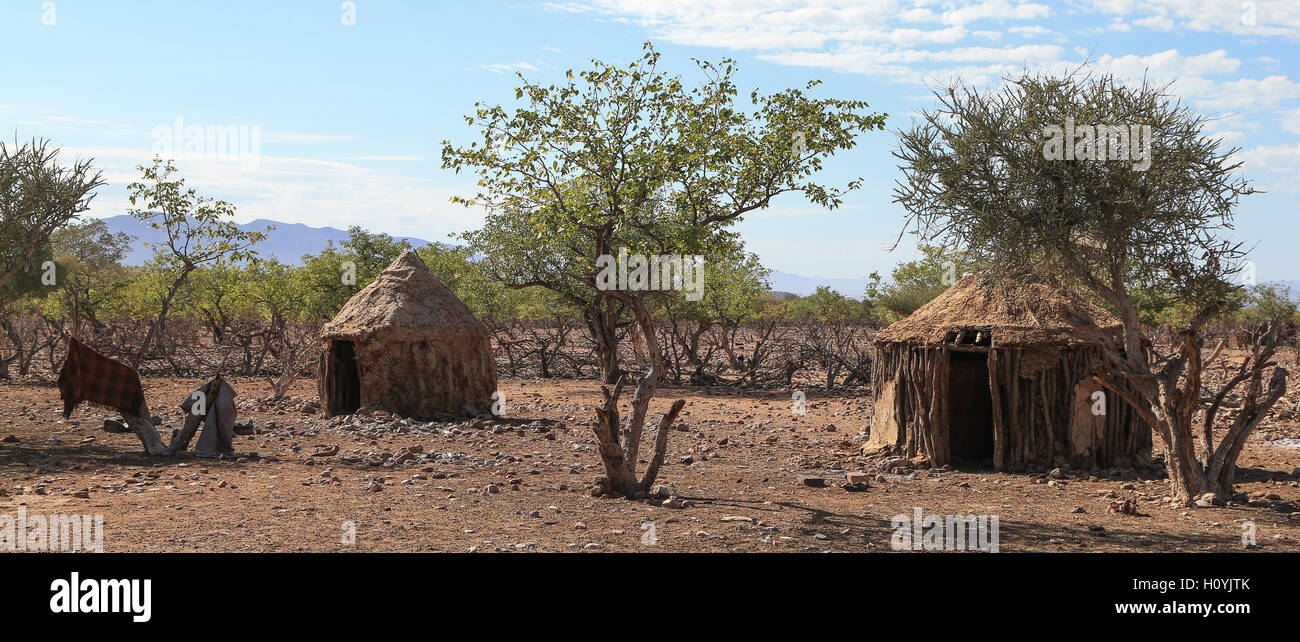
[1269, 302]
[825, 305]
[199, 231]
[736, 281]
[630, 157]
[38, 195]
[915, 283]
[92, 258]
[371, 252]
[331, 277]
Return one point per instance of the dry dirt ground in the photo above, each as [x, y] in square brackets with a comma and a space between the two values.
[522, 483]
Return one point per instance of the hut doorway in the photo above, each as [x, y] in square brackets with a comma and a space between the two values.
[970, 407]
[345, 379]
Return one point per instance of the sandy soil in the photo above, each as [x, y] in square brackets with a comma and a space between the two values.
[523, 483]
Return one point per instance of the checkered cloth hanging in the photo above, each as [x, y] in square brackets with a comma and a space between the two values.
[90, 376]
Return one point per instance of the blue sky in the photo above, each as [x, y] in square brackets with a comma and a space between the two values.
[351, 116]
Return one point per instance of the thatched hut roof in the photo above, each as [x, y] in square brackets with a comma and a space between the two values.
[1022, 311]
[406, 298]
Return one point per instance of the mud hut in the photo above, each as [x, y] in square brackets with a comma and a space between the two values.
[407, 345]
[991, 372]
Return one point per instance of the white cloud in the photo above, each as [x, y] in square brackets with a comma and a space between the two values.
[1279, 165]
[298, 138]
[1029, 31]
[1117, 24]
[499, 68]
[1266, 18]
[1171, 64]
[318, 192]
[1157, 23]
[1291, 121]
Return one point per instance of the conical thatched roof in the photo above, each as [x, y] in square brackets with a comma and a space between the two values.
[405, 296]
[1018, 311]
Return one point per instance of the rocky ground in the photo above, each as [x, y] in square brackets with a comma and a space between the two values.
[744, 473]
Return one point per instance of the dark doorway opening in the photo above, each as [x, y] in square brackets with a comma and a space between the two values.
[970, 408]
[345, 384]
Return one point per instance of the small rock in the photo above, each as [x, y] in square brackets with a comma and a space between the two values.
[812, 481]
[115, 426]
[1208, 500]
[1124, 507]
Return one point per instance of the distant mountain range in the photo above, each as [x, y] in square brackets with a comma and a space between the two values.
[290, 241]
[805, 285]
[287, 243]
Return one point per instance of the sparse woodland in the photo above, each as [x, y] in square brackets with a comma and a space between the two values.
[666, 168]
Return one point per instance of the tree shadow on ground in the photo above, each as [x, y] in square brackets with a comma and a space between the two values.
[760, 394]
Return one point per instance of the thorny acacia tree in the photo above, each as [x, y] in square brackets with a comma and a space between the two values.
[631, 157]
[38, 195]
[198, 229]
[976, 177]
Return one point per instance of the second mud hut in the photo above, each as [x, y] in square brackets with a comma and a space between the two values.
[990, 372]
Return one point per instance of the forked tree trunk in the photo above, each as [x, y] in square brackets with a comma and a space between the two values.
[1190, 476]
[144, 429]
[619, 449]
[1221, 467]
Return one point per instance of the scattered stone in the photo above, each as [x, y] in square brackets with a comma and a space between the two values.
[1124, 507]
[812, 481]
[593, 547]
[1078, 509]
[1208, 500]
[115, 426]
[857, 477]
[737, 518]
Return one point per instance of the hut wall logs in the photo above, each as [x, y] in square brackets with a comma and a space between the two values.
[1043, 410]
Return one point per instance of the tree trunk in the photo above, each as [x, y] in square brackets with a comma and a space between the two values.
[162, 316]
[604, 333]
[144, 429]
[619, 449]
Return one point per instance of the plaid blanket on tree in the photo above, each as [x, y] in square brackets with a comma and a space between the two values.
[90, 376]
